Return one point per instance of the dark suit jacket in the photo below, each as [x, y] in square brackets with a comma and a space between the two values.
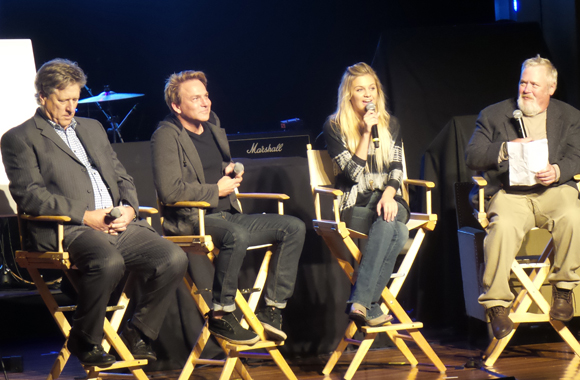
[178, 173]
[46, 178]
[495, 125]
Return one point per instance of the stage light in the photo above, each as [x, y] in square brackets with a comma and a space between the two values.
[515, 5]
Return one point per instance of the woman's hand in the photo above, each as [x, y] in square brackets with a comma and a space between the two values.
[370, 118]
[387, 206]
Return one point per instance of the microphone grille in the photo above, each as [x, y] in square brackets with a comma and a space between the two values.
[517, 114]
[370, 106]
[238, 167]
[115, 213]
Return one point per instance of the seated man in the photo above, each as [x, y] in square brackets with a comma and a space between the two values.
[192, 162]
[61, 165]
[513, 210]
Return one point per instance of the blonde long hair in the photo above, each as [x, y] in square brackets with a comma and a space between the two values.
[347, 120]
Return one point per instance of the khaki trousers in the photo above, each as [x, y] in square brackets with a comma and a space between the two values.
[511, 216]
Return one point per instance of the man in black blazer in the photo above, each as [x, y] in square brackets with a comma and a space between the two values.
[552, 203]
[59, 164]
[192, 162]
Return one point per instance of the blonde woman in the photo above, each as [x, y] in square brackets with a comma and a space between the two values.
[371, 180]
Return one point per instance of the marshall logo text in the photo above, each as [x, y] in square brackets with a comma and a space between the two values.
[262, 149]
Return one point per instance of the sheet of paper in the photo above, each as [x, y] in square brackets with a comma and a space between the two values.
[525, 160]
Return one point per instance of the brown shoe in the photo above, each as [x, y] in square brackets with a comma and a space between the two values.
[501, 323]
[562, 308]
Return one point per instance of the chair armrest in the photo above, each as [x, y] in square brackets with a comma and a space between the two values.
[480, 214]
[420, 182]
[328, 191]
[198, 204]
[46, 218]
[59, 219]
[428, 185]
[148, 210]
[479, 181]
[280, 197]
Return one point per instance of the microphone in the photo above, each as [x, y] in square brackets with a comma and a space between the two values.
[374, 132]
[518, 116]
[238, 168]
[114, 213]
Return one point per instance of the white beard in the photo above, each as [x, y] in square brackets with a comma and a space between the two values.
[529, 108]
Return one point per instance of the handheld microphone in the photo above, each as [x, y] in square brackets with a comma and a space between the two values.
[238, 168]
[518, 116]
[374, 132]
[114, 213]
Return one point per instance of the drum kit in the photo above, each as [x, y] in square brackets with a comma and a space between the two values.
[107, 96]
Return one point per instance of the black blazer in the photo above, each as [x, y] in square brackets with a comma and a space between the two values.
[178, 173]
[46, 178]
[495, 125]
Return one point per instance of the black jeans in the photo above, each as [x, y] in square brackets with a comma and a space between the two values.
[234, 233]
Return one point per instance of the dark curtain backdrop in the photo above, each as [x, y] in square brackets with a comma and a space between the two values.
[266, 61]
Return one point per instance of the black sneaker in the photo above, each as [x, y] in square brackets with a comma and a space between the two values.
[271, 319]
[228, 328]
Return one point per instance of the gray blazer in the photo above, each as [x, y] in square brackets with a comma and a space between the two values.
[178, 173]
[46, 178]
[495, 125]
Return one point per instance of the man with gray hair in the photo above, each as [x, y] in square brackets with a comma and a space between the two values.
[552, 203]
[61, 165]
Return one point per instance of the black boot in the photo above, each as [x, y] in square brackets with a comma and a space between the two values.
[562, 308]
[501, 323]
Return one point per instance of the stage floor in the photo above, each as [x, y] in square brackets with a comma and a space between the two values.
[547, 361]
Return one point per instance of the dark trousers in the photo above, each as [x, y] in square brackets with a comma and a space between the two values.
[102, 259]
[234, 233]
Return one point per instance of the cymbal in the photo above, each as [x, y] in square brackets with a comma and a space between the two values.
[107, 96]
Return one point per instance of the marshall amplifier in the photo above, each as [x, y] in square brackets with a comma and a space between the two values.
[270, 144]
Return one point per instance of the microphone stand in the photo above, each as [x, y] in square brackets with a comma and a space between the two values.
[111, 120]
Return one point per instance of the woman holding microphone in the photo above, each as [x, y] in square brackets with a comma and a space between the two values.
[364, 142]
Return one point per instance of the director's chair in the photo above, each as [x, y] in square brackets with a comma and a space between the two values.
[339, 239]
[203, 244]
[33, 261]
[538, 268]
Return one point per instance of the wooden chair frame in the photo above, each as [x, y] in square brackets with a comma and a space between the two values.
[339, 240]
[33, 261]
[203, 244]
[539, 268]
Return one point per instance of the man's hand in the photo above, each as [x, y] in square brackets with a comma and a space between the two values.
[229, 169]
[227, 185]
[547, 176]
[523, 140]
[96, 219]
[120, 224]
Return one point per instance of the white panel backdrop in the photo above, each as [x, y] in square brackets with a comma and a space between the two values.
[17, 102]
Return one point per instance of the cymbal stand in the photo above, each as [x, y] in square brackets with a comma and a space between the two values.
[111, 119]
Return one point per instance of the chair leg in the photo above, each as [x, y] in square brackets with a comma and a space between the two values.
[258, 284]
[59, 363]
[282, 364]
[419, 339]
[360, 355]
[335, 356]
[203, 338]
